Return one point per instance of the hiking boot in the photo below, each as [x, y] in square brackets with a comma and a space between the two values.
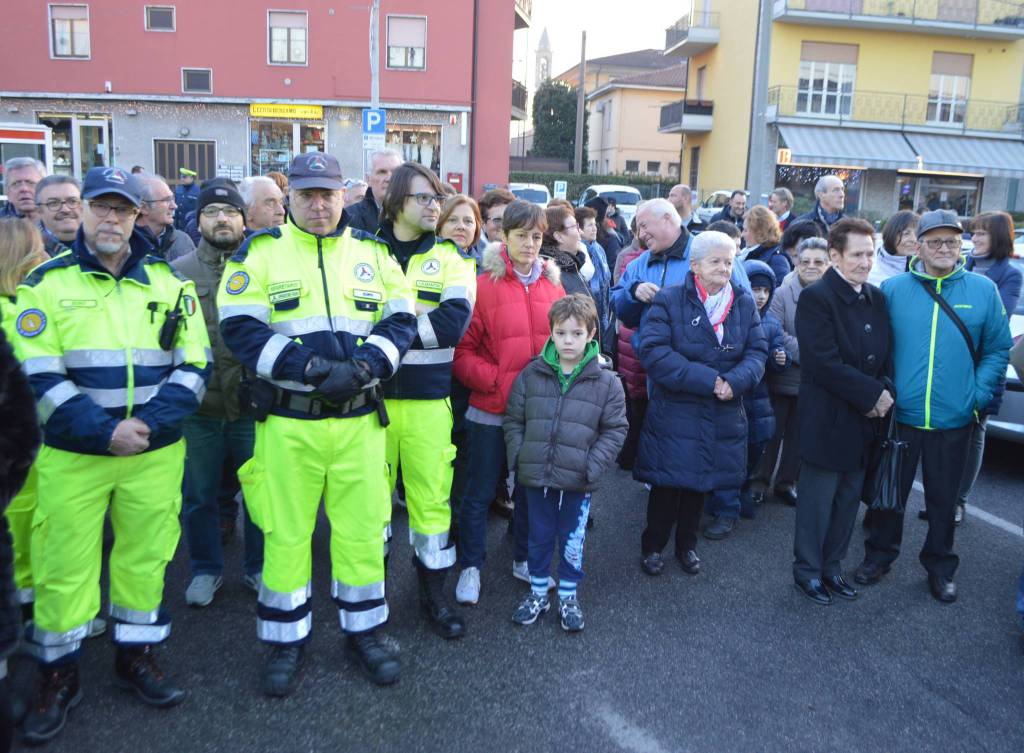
[136, 670]
[376, 662]
[59, 692]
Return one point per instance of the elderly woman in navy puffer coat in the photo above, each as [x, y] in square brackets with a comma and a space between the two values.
[703, 348]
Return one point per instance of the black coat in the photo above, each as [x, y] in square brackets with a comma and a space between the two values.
[364, 215]
[725, 213]
[570, 265]
[845, 352]
[19, 441]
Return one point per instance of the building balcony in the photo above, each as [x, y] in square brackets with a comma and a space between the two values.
[892, 111]
[520, 96]
[686, 116]
[524, 10]
[692, 35]
[987, 19]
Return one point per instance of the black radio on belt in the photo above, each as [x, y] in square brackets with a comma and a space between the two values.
[172, 320]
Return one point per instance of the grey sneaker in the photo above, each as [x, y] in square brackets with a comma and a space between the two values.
[201, 590]
[97, 627]
[532, 607]
[468, 589]
[571, 614]
[521, 570]
[253, 581]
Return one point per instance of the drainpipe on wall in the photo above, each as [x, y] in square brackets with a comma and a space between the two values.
[472, 108]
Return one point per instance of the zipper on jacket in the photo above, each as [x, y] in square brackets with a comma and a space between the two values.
[129, 364]
[554, 430]
[931, 359]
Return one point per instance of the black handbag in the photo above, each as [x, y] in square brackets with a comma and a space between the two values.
[881, 490]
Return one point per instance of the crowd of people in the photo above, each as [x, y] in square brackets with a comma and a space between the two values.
[291, 341]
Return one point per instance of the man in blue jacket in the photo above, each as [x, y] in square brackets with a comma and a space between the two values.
[942, 384]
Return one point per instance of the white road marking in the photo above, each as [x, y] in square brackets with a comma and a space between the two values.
[988, 517]
[624, 733]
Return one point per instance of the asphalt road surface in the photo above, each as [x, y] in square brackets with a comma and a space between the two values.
[732, 660]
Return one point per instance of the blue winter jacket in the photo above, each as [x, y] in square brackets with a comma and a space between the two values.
[691, 439]
[1008, 280]
[774, 257]
[600, 288]
[937, 384]
[759, 401]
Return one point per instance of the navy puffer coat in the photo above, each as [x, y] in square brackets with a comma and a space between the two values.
[691, 439]
[758, 401]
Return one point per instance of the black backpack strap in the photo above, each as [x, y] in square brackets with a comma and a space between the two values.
[944, 305]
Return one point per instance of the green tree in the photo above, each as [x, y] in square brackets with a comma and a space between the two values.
[554, 122]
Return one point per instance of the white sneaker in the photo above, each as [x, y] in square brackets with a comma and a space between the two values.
[521, 570]
[468, 589]
[97, 627]
[201, 590]
[253, 581]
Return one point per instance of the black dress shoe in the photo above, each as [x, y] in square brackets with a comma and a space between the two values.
[136, 669]
[59, 692]
[374, 659]
[786, 496]
[652, 563]
[837, 586]
[814, 590]
[690, 562]
[868, 573]
[281, 670]
[943, 589]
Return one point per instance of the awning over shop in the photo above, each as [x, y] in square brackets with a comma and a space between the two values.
[856, 147]
[964, 154]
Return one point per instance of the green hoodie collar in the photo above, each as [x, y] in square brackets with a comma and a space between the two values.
[958, 270]
[550, 356]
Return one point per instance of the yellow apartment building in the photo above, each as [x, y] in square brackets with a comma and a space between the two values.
[915, 103]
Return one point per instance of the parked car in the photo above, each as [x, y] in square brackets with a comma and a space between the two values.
[712, 205]
[1008, 424]
[626, 198]
[534, 192]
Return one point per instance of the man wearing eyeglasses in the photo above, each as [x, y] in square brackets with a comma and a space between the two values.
[322, 314]
[221, 433]
[156, 219]
[117, 355]
[59, 202]
[443, 278]
[948, 360]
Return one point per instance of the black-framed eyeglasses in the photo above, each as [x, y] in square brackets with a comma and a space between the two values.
[123, 211]
[424, 199]
[54, 205]
[213, 212]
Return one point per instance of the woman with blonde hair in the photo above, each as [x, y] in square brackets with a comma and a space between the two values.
[761, 233]
[460, 223]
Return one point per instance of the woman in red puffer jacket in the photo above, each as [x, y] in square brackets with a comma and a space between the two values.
[633, 374]
[508, 328]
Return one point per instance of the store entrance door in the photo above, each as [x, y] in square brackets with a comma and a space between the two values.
[91, 147]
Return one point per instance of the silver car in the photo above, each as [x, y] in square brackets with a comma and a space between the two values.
[1009, 422]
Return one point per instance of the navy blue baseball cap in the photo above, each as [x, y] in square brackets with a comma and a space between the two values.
[100, 181]
[315, 170]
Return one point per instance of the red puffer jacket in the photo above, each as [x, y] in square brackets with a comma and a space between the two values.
[508, 328]
[629, 365]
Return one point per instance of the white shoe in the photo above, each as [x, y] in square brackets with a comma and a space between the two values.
[201, 590]
[253, 581]
[521, 570]
[468, 589]
[97, 627]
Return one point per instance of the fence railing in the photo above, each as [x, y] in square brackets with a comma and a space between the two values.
[898, 109]
[672, 114]
[969, 12]
[678, 31]
[520, 94]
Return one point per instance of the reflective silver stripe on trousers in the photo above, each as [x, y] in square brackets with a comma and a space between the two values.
[285, 602]
[273, 348]
[189, 380]
[387, 348]
[432, 549]
[428, 357]
[262, 313]
[355, 594]
[284, 632]
[299, 327]
[47, 638]
[456, 291]
[43, 365]
[50, 654]
[118, 398]
[441, 560]
[135, 616]
[124, 633]
[25, 596]
[397, 306]
[426, 329]
[360, 622]
[55, 397]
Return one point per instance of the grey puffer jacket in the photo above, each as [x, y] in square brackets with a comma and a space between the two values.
[564, 441]
[783, 305]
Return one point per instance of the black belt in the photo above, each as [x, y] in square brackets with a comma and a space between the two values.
[318, 406]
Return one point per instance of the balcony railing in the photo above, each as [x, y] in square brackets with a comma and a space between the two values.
[897, 110]
[680, 30]
[520, 94]
[672, 115]
[968, 12]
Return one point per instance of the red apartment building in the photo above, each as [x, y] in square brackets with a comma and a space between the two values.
[240, 88]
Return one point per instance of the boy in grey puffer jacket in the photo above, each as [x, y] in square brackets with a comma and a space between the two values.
[564, 426]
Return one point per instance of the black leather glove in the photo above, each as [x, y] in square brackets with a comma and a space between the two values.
[338, 381]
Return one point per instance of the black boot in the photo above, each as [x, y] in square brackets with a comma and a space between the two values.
[136, 669]
[281, 671]
[59, 692]
[377, 663]
[434, 600]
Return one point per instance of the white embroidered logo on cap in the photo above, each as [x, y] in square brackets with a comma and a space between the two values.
[115, 175]
[317, 164]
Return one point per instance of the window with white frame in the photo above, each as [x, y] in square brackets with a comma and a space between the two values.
[69, 31]
[950, 87]
[407, 42]
[287, 37]
[198, 80]
[827, 76]
[159, 18]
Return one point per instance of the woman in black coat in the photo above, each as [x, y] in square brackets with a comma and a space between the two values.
[842, 327]
[703, 348]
